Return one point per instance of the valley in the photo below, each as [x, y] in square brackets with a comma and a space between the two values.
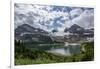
[46, 34]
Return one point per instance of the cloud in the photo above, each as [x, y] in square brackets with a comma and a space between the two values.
[86, 19]
[76, 12]
[51, 17]
[34, 14]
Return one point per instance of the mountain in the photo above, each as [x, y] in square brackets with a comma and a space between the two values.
[89, 30]
[58, 17]
[79, 30]
[27, 33]
[75, 29]
[66, 29]
[25, 28]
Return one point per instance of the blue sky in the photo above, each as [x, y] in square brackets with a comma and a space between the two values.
[53, 17]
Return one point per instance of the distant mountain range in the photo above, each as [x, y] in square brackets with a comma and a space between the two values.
[26, 32]
[78, 30]
[25, 28]
[29, 33]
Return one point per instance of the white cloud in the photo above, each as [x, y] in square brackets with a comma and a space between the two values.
[86, 19]
[76, 12]
[42, 17]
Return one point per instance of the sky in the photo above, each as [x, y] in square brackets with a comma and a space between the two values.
[50, 17]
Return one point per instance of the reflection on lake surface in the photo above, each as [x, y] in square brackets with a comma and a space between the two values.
[59, 49]
[69, 50]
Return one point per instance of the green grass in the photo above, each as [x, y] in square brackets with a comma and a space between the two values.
[26, 56]
[30, 61]
[56, 59]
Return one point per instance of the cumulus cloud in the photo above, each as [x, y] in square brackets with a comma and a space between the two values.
[76, 12]
[53, 17]
[86, 19]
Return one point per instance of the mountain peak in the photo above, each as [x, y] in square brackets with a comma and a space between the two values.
[26, 28]
[25, 25]
[76, 29]
[75, 25]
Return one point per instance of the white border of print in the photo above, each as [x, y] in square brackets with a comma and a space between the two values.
[73, 3]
